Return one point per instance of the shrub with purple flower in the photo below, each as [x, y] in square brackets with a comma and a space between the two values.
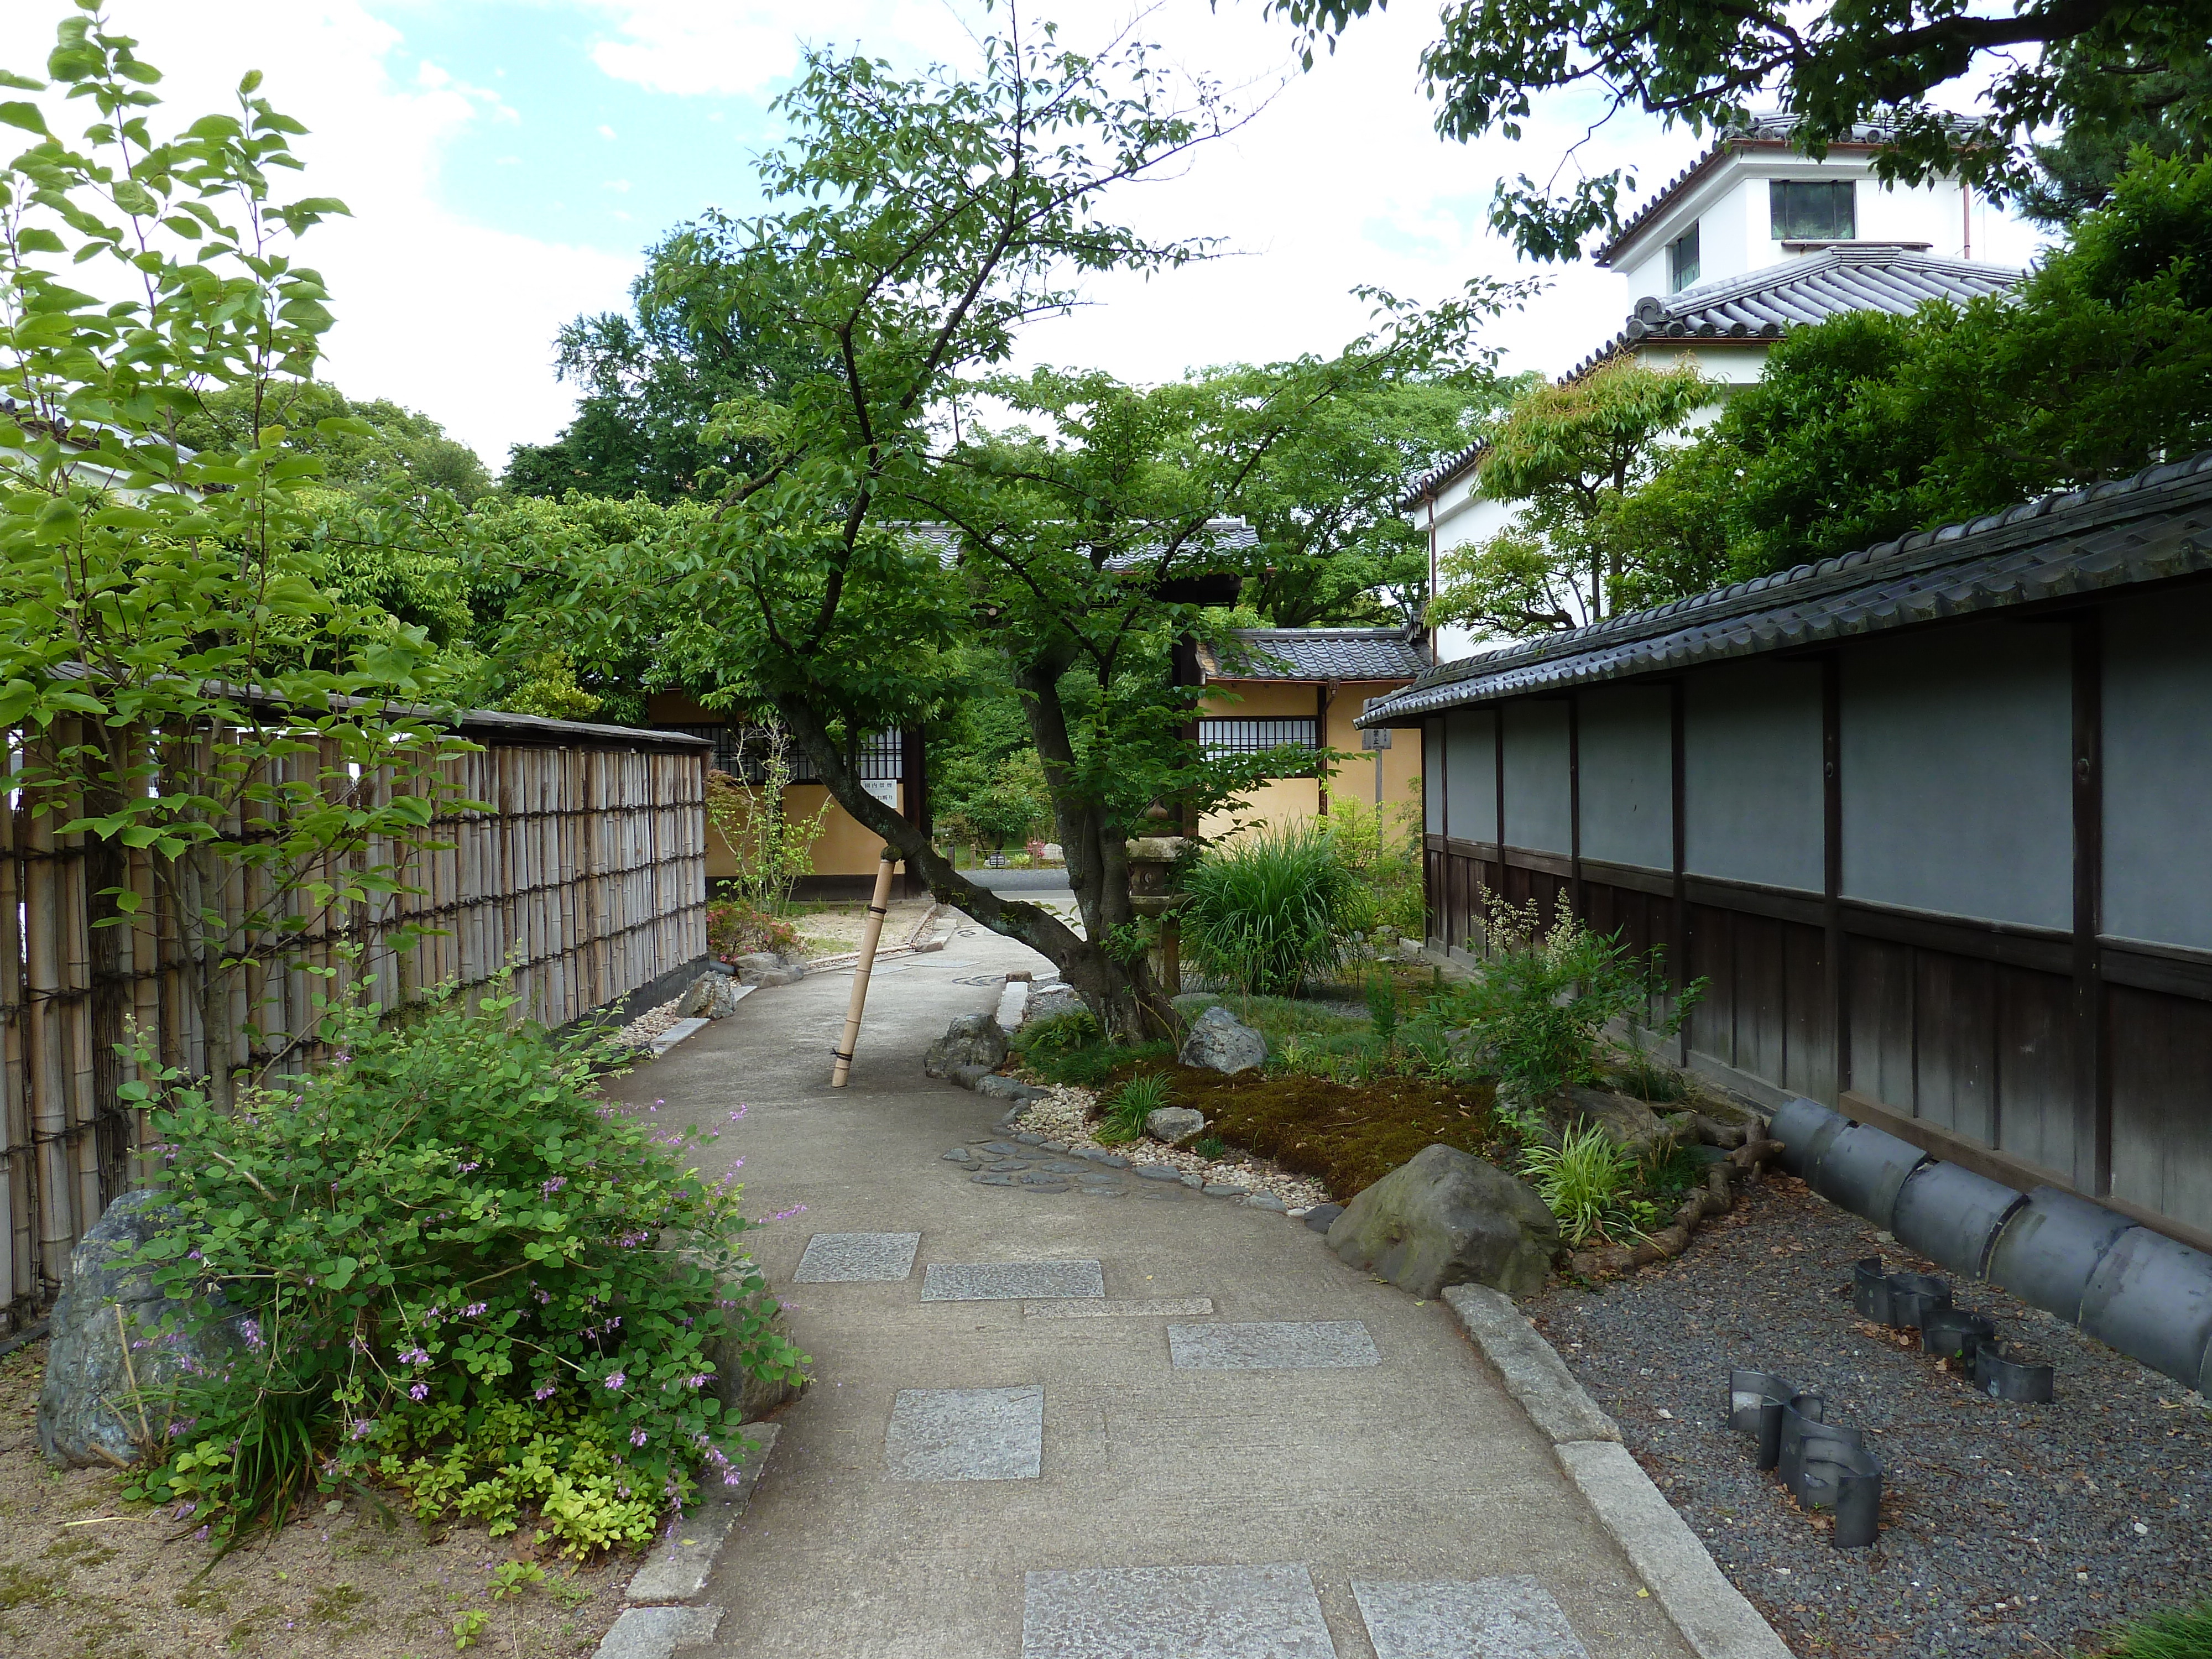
[475, 1284]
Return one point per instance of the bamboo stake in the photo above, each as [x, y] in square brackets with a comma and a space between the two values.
[870, 932]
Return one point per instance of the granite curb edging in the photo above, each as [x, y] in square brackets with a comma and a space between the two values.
[658, 1615]
[1709, 1612]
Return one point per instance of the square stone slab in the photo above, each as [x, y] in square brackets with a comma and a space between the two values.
[1175, 1613]
[1010, 1281]
[1512, 1618]
[1323, 1345]
[966, 1434]
[855, 1258]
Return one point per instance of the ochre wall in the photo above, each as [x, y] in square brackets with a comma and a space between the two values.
[845, 847]
[1286, 801]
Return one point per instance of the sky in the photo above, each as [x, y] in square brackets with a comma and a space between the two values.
[507, 162]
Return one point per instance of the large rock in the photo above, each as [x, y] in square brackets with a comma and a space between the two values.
[1626, 1121]
[1447, 1217]
[1218, 1042]
[1175, 1124]
[766, 968]
[712, 996]
[747, 1397]
[88, 1416]
[972, 1040]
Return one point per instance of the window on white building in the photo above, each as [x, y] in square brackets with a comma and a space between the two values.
[1813, 210]
[1682, 261]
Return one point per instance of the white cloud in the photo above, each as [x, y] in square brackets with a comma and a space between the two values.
[680, 47]
[435, 311]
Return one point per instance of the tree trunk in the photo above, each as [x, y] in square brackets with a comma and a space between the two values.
[1125, 998]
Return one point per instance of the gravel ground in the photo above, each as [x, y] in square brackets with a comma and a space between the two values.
[1063, 1116]
[2007, 1529]
[640, 1031]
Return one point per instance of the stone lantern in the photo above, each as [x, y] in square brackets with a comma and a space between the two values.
[1152, 867]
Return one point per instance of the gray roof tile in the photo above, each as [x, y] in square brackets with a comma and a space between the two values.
[1316, 654]
[2152, 526]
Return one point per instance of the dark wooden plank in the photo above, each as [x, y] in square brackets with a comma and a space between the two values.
[1751, 898]
[1808, 1055]
[2035, 1061]
[2162, 1060]
[1835, 1024]
[2092, 1077]
[1879, 1058]
[2044, 949]
[1761, 997]
[1712, 953]
[1954, 1043]
[1661, 881]
[1551, 864]
[2174, 969]
[1678, 940]
[1575, 800]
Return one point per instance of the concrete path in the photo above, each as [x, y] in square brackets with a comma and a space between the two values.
[1242, 1448]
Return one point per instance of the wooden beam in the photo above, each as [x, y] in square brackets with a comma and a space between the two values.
[1836, 946]
[1678, 948]
[2092, 1079]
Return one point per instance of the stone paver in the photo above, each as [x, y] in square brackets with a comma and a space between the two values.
[856, 1258]
[1175, 1613]
[1010, 1281]
[1135, 1308]
[966, 1434]
[1512, 1617]
[1273, 1346]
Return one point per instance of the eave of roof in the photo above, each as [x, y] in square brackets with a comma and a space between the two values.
[1315, 656]
[2152, 527]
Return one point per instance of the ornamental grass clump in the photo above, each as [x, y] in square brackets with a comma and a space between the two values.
[459, 1271]
[1267, 912]
[1591, 1184]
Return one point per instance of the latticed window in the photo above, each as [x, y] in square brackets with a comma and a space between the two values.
[1253, 736]
[1813, 210]
[743, 751]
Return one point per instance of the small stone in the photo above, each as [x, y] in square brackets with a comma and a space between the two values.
[1222, 1189]
[1002, 1148]
[972, 1040]
[1056, 1146]
[994, 1087]
[1218, 1042]
[987, 1179]
[1030, 1140]
[1265, 1201]
[960, 1155]
[1191, 1181]
[1159, 1172]
[1046, 1185]
[1006, 1165]
[1321, 1215]
[1175, 1125]
[1063, 1166]
[1111, 1160]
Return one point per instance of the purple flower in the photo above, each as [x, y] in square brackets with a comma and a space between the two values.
[250, 1329]
[738, 1115]
[363, 1427]
[617, 1379]
[698, 1380]
[637, 1436]
[201, 1536]
[419, 1391]
[474, 1309]
[470, 1169]
[415, 1357]
[544, 1393]
[553, 1186]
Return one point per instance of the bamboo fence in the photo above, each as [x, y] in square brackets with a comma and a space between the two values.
[586, 878]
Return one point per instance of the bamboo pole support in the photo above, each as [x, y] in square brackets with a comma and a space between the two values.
[871, 933]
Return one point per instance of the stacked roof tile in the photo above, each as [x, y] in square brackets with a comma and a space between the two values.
[1316, 654]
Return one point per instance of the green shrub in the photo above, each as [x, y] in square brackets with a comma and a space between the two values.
[1586, 1180]
[1058, 1034]
[460, 1269]
[1270, 911]
[1382, 849]
[1128, 1107]
[1382, 1006]
[1538, 1007]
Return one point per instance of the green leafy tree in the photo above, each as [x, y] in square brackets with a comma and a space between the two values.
[2075, 171]
[1571, 452]
[2080, 64]
[914, 225]
[653, 379]
[177, 677]
[371, 447]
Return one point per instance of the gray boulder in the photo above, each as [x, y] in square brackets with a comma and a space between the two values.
[1175, 1124]
[972, 1040]
[1626, 1122]
[711, 996]
[1447, 1217]
[88, 1416]
[1219, 1043]
[766, 968]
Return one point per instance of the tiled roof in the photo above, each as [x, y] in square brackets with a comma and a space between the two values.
[1316, 654]
[2154, 525]
[1771, 130]
[1767, 303]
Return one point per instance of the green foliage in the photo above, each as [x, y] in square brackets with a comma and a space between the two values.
[1536, 1011]
[468, 1626]
[1869, 425]
[1057, 1035]
[1382, 849]
[773, 848]
[457, 1267]
[144, 586]
[1585, 1180]
[992, 802]
[2075, 171]
[735, 928]
[1570, 453]
[1382, 1006]
[1127, 1106]
[1270, 909]
[1210, 1146]
[2178, 1634]
[368, 446]
[1705, 63]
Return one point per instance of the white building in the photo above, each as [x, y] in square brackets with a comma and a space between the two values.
[1751, 240]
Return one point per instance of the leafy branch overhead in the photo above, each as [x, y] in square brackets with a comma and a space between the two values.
[2089, 66]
